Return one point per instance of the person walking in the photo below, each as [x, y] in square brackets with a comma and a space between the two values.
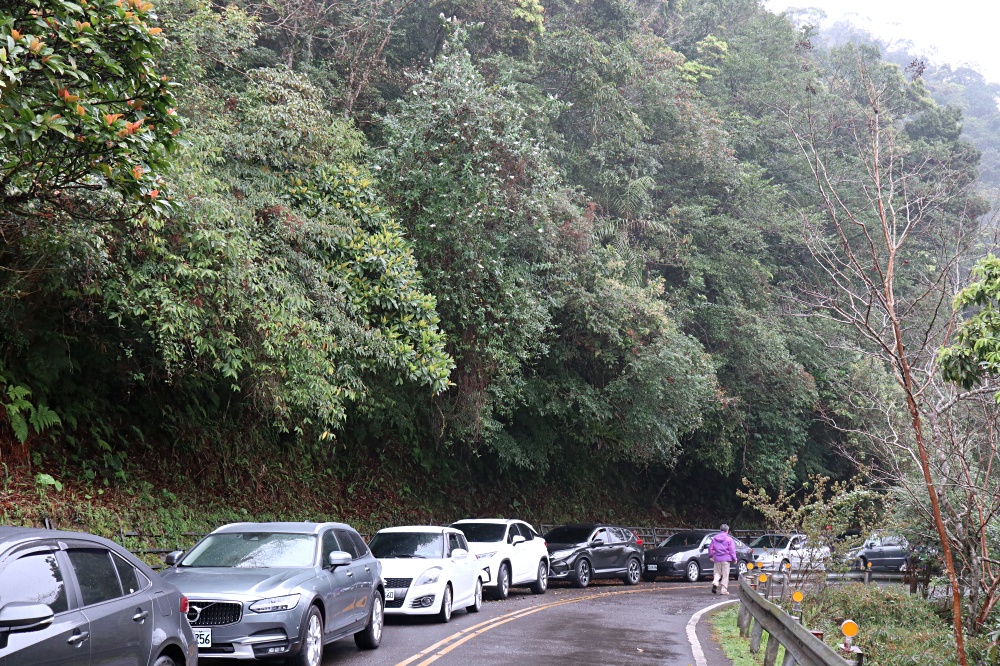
[722, 550]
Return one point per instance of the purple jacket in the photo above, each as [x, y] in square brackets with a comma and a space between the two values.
[722, 548]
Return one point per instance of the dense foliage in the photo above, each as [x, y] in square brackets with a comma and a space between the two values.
[549, 240]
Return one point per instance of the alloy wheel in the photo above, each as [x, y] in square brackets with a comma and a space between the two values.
[378, 618]
[543, 576]
[633, 571]
[314, 641]
[446, 603]
[693, 571]
[742, 568]
[584, 575]
[504, 581]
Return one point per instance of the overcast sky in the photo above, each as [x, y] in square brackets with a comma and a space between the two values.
[946, 31]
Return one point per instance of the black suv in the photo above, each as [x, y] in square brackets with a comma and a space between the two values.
[583, 552]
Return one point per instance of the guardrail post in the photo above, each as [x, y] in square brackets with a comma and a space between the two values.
[771, 651]
[743, 620]
[755, 635]
[789, 659]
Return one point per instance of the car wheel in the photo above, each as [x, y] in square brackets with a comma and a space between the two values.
[370, 637]
[649, 577]
[633, 572]
[444, 615]
[542, 580]
[503, 582]
[477, 601]
[692, 573]
[902, 567]
[741, 568]
[164, 661]
[311, 652]
[785, 566]
[582, 573]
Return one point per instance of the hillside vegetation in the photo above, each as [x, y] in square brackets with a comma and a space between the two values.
[417, 259]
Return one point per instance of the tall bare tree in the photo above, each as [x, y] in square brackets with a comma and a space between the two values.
[890, 219]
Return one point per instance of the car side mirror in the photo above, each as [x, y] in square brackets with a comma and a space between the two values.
[596, 543]
[24, 616]
[705, 547]
[516, 540]
[173, 558]
[869, 545]
[338, 558]
[460, 554]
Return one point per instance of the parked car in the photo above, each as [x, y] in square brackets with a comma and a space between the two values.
[72, 599]
[510, 553]
[428, 571]
[685, 554]
[263, 590]
[580, 553]
[774, 551]
[885, 552]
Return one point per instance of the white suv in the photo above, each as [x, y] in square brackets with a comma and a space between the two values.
[510, 553]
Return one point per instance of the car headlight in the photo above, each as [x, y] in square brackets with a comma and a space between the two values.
[676, 557]
[272, 604]
[430, 576]
[562, 554]
[485, 556]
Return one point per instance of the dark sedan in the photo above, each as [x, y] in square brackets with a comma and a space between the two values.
[685, 555]
[581, 553]
[885, 552]
[71, 599]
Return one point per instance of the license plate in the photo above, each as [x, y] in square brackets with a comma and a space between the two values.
[390, 595]
[650, 567]
[203, 637]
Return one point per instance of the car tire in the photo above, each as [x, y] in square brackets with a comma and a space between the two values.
[164, 660]
[370, 637]
[785, 566]
[633, 572]
[692, 572]
[649, 577]
[502, 590]
[583, 573]
[741, 568]
[861, 564]
[477, 599]
[542, 579]
[444, 615]
[311, 652]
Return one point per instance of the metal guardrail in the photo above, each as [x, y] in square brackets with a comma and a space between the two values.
[758, 615]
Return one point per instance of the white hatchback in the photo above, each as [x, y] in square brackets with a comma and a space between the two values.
[509, 553]
[427, 571]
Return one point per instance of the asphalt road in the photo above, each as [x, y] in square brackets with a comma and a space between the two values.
[607, 623]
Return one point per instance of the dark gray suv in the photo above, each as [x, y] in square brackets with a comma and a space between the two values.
[280, 590]
[71, 599]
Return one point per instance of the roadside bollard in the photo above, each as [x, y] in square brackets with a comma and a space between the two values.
[868, 573]
[786, 584]
[797, 598]
[850, 629]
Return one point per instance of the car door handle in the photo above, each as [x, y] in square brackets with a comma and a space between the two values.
[350, 574]
[78, 639]
[368, 569]
[140, 615]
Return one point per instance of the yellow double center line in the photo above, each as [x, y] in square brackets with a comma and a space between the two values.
[446, 645]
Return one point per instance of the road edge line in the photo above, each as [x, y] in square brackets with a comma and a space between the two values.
[692, 632]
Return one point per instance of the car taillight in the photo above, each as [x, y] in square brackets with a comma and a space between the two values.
[184, 605]
[546, 544]
[638, 541]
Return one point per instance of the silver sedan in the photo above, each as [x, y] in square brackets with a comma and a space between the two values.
[265, 590]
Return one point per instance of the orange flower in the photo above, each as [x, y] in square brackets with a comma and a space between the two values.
[137, 171]
[80, 110]
[154, 194]
[155, 31]
[36, 45]
[110, 118]
[16, 34]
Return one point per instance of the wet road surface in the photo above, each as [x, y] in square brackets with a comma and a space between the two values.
[607, 623]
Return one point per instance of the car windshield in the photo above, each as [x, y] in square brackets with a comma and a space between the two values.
[482, 532]
[569, 534]
[407, 544]
[688, 539]
[770, 541]
[253, 550]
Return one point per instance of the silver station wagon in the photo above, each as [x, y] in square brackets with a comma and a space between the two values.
[280, 590]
